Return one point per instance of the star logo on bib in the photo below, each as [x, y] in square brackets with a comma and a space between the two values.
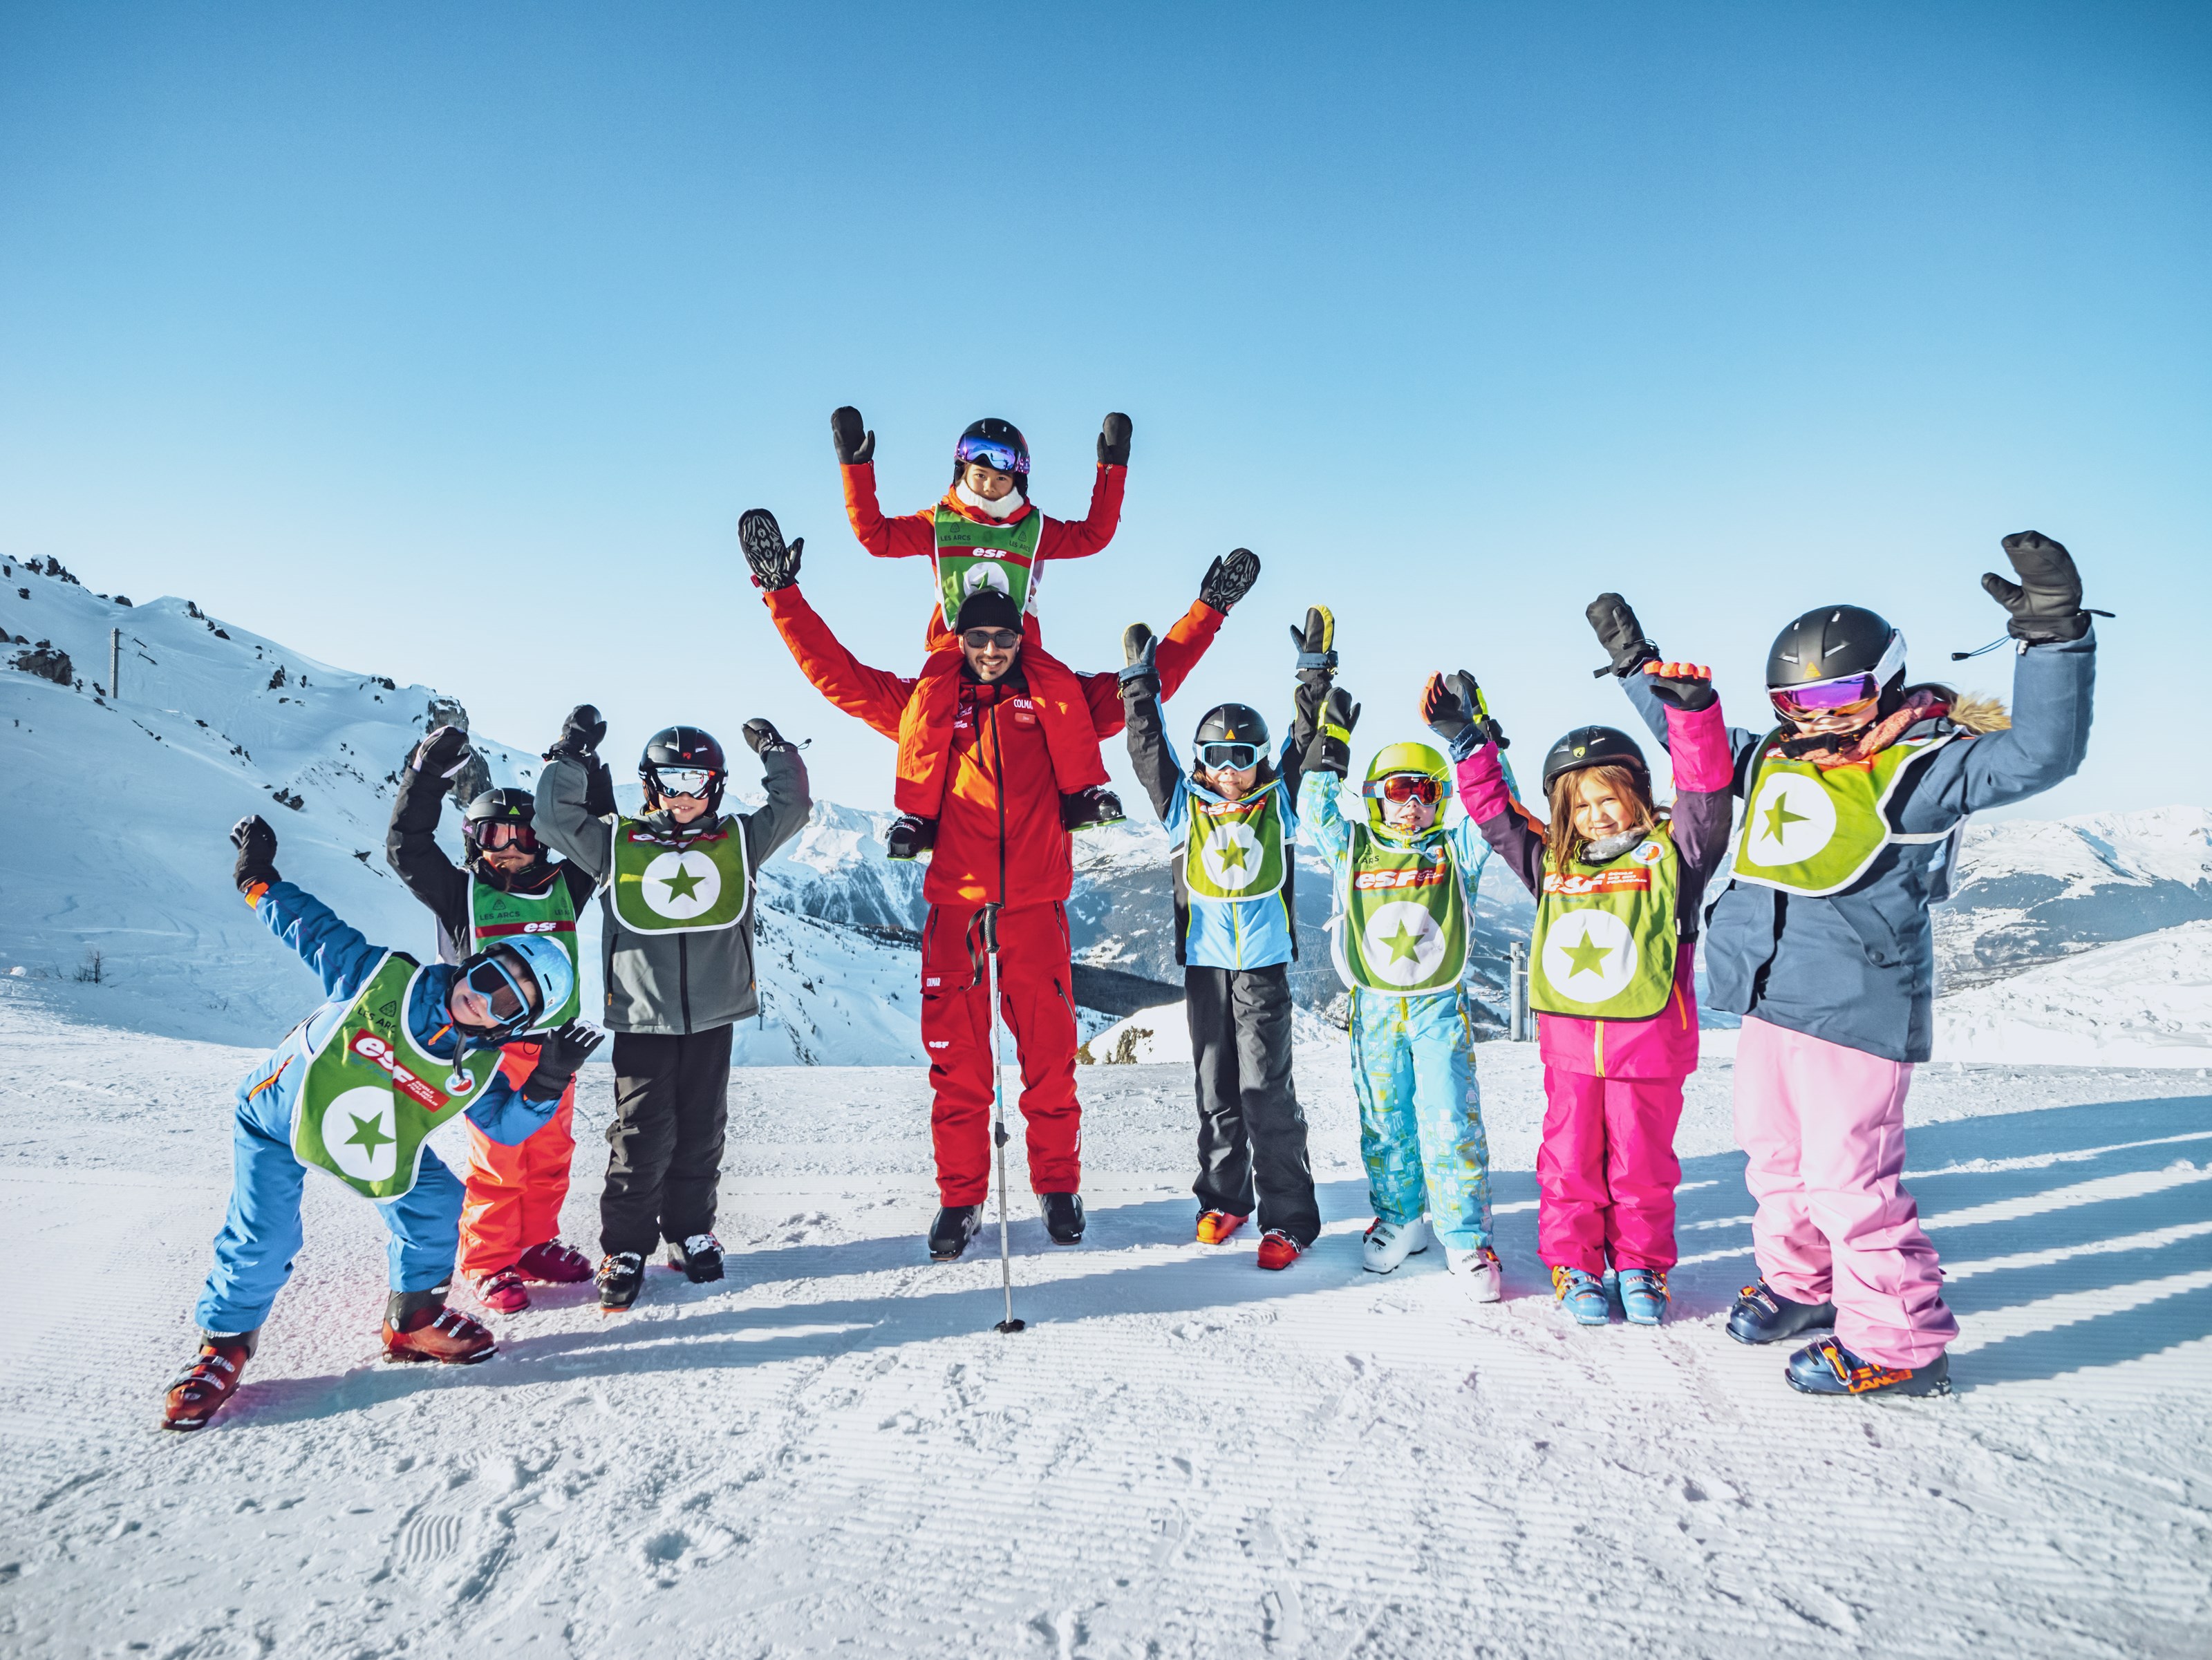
[360, 1134]
[1403, 943]
[978, 577]
[1231, 856]
[674, 888]
[1590, 956]
[1790, 822]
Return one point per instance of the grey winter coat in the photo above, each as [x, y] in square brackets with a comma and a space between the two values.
[671, 985]
[1858, 968]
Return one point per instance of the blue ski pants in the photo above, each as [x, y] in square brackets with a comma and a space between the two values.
[1420, 1113]
[261, 1235]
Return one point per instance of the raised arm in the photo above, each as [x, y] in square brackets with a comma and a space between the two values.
[1150, 754]
[1623, 640]
[909, 537]
[341, 958]
[1329, 758]
[783, 778]
[870, 694]
[411, 846]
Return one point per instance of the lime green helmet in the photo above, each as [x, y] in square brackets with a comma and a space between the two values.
[1392, 759]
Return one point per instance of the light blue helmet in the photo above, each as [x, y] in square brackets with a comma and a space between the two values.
[527, 976]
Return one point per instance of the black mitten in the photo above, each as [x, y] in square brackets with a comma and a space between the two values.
[2046, 602]
[774, 565]
[1229, 579]
[854, 444]
[1622, 635]
[257, 852]
[1113, 441]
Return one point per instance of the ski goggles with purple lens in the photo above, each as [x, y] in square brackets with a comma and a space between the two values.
[990, 453]
[1842, 692]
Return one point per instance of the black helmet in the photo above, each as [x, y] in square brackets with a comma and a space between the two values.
[1834, 641]
[1232, 723]
[686, 746]
[994, 443]
[1593, 746]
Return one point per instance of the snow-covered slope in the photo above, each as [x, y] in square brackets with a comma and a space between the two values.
[114, 849]
[2144, 1002]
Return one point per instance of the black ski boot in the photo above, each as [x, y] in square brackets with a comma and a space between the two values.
[1063, 1217]
[1764, 1315]
[1828, 1368]
[1090, 809]
[621, 1276]
[909, 836]
[954, 1226]
[700, 1256]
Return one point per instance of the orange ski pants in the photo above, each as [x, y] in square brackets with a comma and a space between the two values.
[514, 1194]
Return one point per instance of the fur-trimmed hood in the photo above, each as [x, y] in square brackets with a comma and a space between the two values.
[1972, 713]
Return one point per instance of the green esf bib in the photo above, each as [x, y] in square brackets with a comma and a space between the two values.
[1605, 938]
[1235, 850]
[972, 556]
[673, 883]
[1813, 832]
[494, 915]
[1404, 922]
[372, 1095]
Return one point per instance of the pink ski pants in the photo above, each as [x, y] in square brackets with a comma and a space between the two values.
[1607, 1170]
[1824, 1126]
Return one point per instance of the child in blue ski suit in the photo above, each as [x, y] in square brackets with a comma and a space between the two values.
[261, 1234]
[1413, 1049]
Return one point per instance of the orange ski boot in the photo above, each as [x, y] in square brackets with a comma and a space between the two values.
[1277, 1250]
[1215, 1227]
[418, 1326]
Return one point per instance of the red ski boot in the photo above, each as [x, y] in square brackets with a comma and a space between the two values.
[553, 1264]
[1214, 1227]
[503, 1293]
[211, 1379]
[418, 1326]
[1277, 1250]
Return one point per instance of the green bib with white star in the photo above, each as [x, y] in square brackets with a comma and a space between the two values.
[372, 1095]
[1603, 947]
[1813, 832]
[1405, 927]
[669, 882]
[972, 556]
[1235, 847]
[494, 915]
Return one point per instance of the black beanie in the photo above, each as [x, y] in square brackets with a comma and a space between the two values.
[987, 607]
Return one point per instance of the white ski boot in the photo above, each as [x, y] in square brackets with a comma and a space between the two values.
[1388, 1244]
[1477, 1271]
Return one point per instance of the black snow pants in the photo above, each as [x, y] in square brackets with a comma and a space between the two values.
[664, 1159]
[1250, 1128]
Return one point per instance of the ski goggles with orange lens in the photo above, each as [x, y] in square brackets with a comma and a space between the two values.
[1843, 694]
[1404, 786]
[496, 834]
[990, 452]
[684, 781]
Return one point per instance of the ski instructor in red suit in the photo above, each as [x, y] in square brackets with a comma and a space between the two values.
[999, 840]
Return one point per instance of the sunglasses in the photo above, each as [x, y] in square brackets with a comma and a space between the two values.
[497, 834]
[1404, 786]
[988, 452]
[990, 639]
[492, 980]
[685, 780]
[1236, 756]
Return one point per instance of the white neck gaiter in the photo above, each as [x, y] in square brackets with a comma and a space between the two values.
[1004, 507]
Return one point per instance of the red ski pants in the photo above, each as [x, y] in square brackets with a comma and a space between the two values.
[516, 1193]
[925, 753]
[1035, 1002]
[1607, 1172]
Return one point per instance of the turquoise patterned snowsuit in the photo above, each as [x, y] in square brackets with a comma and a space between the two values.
[1413, 1060]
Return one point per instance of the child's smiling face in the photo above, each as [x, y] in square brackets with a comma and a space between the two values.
[1409, 816]
[1230, 783]
[987, 483]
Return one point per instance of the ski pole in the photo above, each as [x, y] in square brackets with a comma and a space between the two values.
[989, 918]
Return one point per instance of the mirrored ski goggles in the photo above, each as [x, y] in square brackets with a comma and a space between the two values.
[990, 452]
[684, 781]
[1404, 786]
[1841, 692]
[495, 981]
[498, 832]
[990, 639]
[1235, 756]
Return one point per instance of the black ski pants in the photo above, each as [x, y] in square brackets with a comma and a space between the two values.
[664, 1159]
[1251, 1131]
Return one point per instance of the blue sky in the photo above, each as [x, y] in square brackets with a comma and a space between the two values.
[449, 342]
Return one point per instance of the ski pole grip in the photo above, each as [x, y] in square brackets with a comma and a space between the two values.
[987, 918]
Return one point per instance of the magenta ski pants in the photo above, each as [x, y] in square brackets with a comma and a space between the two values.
[1824, 1127]
[1607, 1170]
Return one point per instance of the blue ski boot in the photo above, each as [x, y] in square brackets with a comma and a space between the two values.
[1643, 1295]
[1828, 1368]
[1764, 1315]
[1582, 1296]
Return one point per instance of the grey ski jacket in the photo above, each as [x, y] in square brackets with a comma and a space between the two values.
[1858, 968]
[673, 985]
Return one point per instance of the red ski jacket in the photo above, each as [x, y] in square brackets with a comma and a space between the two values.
[993, 843]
